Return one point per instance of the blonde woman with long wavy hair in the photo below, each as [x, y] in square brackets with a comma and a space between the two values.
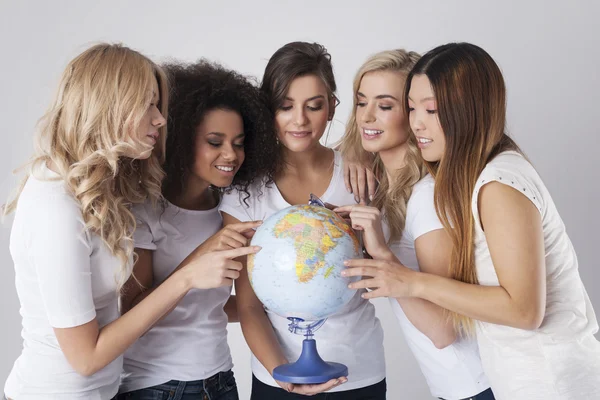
[98, 151]
[401, 225]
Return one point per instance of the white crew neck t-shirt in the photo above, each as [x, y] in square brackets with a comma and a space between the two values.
[65, 277]
[353, 336]
[190, 343]
[454, 372]
[561, 359]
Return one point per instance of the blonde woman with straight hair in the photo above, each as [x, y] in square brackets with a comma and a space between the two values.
[403, 212]
[99, 150]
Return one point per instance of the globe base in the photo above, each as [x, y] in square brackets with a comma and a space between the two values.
[310, 367]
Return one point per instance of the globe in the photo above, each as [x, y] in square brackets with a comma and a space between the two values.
[297, 273]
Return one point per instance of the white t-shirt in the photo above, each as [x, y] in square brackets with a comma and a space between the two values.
[65, 277]
[190, 343]
[454, 372]
[353, 336]
[561, 359]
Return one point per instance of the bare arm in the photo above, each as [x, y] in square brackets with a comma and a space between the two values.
[514, 235]
[513, 230]
[231, 309]
[89, 349]
[433, 253]
[232, 237]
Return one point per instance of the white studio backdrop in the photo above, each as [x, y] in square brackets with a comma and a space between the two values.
[548, 51]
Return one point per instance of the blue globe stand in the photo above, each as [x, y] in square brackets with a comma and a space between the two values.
[310, 368]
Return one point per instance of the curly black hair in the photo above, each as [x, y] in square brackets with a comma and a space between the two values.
[197, 88]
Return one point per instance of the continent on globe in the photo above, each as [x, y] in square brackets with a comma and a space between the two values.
[298, 271]
[313, 238]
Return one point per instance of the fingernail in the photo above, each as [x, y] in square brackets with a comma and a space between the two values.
[350, 286]
[344, 273]
[356, 199]
[364, 295]
[257, 248]
[348, 189]
[370, 197]
[346, 263]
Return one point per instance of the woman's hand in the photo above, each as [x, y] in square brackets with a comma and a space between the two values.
[385, 278]
[368, 220]
[312, 389]
[360, 180]
[216, 268]
[231, 236]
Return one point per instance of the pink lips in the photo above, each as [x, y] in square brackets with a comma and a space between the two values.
[299, 134]
[153, 136]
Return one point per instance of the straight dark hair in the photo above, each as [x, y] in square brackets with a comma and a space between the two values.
[471, 101]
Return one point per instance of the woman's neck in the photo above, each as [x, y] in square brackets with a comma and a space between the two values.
[196, 195]
[394, 160]
[313, 159]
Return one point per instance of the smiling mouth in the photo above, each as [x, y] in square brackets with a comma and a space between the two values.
[225, 168]
[372, 132]
[424, 140]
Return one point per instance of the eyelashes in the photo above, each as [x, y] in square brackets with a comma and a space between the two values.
[218, 144]
[432, 112]
[381, 107]
[311, 108]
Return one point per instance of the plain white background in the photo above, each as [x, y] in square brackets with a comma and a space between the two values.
[549, 53]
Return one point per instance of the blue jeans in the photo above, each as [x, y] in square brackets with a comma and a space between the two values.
[220, 386]
[485, 395]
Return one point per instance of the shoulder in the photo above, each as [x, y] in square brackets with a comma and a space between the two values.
[511, 169]
[509, 163]
[48, 213]
[238, 197]
[245, 205]
[422, 193]
[421, 215]
[148, 211]
[49, 199]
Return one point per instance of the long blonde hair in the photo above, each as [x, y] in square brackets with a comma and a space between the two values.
[471, 99]
[87, 133]
[391, 197]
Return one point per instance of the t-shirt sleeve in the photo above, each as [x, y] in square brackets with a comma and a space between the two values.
[142, 236]
[232, 203]
[515, 171]
[421, 217]
[60, 251]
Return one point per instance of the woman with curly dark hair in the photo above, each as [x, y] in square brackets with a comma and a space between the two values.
[299, 87]
[217, 124]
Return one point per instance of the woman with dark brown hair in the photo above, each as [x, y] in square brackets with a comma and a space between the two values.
[514, 267]
[299, 88]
